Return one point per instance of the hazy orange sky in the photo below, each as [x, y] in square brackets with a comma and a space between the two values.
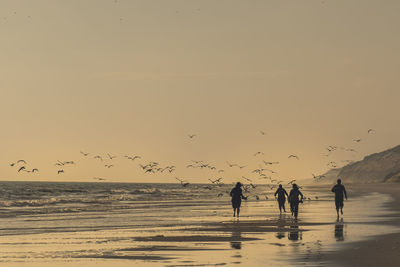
[136, 77]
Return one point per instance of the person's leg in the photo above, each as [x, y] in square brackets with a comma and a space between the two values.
[280, 206]
[337, 207]
[296, 210]
[234, 212]
[238, 211]
[283, 206]
[341, 207]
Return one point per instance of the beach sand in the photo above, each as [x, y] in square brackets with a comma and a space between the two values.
[367, 235]
[381, 250]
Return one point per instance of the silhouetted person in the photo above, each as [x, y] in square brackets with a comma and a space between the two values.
[340, 193]
[294, 200]
[237, 196]
[281, 192]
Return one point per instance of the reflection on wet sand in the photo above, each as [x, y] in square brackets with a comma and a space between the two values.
[294, 233]
[281, 226]
[236, 235]
[339, 226]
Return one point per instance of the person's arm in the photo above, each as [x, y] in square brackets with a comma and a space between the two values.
[345, 193]
[276, 192]
[231, 192]
[301, 196]
[285, 192]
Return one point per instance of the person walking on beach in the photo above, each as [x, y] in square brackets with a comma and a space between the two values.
[294, 200]
[340, 193]
[237, 197]
[281, 192]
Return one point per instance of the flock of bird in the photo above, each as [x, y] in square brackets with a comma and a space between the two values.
[263, 172]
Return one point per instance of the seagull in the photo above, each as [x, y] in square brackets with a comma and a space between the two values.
[60, 171]
[273, 172]
[262, 132]
[111, 157]
[85, 154]
[216, 181]
[98, 178]
[231, 165]
[183, 183]
[220, 171]
[12, 164]
[371, 131]
[21, 168]
[98, 157]
[293, 156]
[270, 162]
[108, 166]
[357, 140]
[258, 153]
[191, 136]
[241, 167]
[35, 170]
[247, 179]
[292, 181]
[21, 161]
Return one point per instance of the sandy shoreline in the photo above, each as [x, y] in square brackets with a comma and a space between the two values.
[382, 250]
[260, 237]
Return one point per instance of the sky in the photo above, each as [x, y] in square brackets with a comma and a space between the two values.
[137, 77]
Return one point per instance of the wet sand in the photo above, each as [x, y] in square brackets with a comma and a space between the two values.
[381, 250]
[261, 237]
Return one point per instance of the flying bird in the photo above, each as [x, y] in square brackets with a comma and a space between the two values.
[270, 162]
[247, 179]
[111, 157]
[183, 183]
[85, 154]
[98, 157]
[21, 161]
[258, 153]
[60, 171]
[231, 165]
[293, 156]
[216, 181]
[371, 131]
[21, 168]
[191, 136]
[292, 181]
[357, 140]
[262, 132]
[35, 170]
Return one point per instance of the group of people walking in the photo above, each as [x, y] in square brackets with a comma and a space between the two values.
[295, 197]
